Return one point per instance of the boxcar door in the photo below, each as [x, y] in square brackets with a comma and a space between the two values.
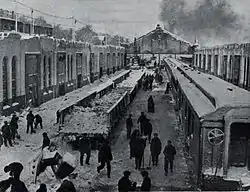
[238, 152]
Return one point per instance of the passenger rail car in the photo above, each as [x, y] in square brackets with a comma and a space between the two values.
[35, 69]
[210, 110]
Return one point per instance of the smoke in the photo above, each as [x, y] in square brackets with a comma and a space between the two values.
[209, 21]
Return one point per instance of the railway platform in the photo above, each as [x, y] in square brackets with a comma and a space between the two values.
[165, 123]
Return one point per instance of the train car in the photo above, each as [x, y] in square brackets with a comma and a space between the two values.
[210, 110]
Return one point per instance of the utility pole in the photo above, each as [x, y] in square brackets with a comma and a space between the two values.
[16, 15]
[33, 22]
[73, 28]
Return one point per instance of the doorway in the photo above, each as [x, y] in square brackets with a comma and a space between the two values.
[62, 89]
[239, 148]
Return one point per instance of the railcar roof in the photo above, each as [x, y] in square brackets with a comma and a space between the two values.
[224, 93]
[197, 99]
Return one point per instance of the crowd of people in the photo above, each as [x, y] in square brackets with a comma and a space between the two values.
[138, 142]
[9, 131]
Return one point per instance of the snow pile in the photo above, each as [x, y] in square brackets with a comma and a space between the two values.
[131, 81]
[92, 120]
[234, 174]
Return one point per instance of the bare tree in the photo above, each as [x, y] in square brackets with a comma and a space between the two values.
[85, 34]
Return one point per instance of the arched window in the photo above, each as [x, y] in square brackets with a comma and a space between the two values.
[49, 72]
[44, 72]
[13, 71]
[5, 80]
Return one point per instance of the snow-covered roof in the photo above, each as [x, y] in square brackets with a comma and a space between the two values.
[223, 93]
[158, 28]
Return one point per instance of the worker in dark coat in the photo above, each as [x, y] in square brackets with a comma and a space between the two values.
[160, 79]
[129, 125]
[155, 149]
[46, 140]
[105, 157]
[38, 121]
[146, 183]
[1, 140]
[132, 142]
[84, 148]
[42, 188]
[169, 153]
[13, 181]
[145, 84]
[167, 88]
[139, 146]
[30, 120]
[58, 114]
[148, 129]
[66, 186]
[142, 121]
[151, 105]
[14, 126]
[125, 184]
[6, 134]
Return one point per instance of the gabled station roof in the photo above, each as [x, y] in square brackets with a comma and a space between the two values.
[164, 31]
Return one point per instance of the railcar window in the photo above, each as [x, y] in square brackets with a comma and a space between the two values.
[49, 72]
[44, 71]
[13, 69]
[5, 80]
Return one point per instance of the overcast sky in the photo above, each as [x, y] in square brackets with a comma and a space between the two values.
[125, 17]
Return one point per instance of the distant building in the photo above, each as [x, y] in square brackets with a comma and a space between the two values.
[7, 23]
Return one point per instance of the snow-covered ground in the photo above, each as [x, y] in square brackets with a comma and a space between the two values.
[234, 173]
[28, 146]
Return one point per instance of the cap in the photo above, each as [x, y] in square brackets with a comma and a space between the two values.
[126, 173]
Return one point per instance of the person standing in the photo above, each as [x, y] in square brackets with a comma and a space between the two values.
[46, 140]
[42, 188]
[6, 134]
[66, 186]
[146, 183]
[1, 140]
[84, 148]
[169, 153]
[38, 120]
[151, 105]
[30, 120]
[148, 129]
[58, 114]
[125, 184]
[139, 146]
[105, 157]
[14, 126]
[129, 125]
[132, 142]
[142, 121]
[13, 181]
[155, 149]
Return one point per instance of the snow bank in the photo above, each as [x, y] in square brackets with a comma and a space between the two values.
[92, 120]
[234, 174]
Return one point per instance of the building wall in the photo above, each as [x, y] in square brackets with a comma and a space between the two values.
[229, 62]
[37, 64]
